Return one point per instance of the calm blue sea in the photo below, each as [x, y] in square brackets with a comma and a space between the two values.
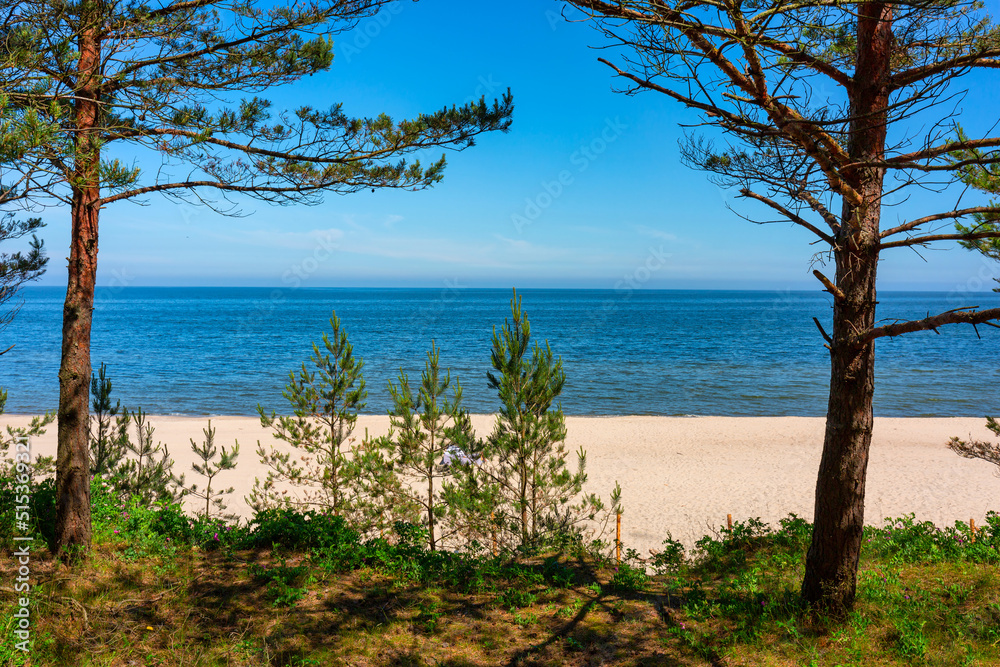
[224, 350]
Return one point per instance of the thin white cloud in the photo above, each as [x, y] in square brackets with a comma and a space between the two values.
[655, 233]
[516, 244]
[440, 250]
[589, 229]
[293, 240]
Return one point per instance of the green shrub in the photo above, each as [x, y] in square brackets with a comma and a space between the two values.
[41, 504]
[515, 598]
[629, 578]
[285, 585]
[794, 534]
[731, 548]
[296, 529]
[670, 558]
[911, 541]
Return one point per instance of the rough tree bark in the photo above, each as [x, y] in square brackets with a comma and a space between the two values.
[73, 528]
[832, 560]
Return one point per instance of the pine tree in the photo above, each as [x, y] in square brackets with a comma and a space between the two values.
[209, 467]
[431, 430]
[332, 472]
[108, 427]
[41, 466]
[524, 460]
[812, 106]
[18, 268]
[178, 86]
[145, 473]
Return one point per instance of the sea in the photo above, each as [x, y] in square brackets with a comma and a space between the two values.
[225, 350]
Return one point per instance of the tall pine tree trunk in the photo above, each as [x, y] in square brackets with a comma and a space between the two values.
[524, 504]
[430, 509]
[832, 561]
[73, 528]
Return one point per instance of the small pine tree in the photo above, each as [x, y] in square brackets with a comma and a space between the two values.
[331, 471]
[977, 449]
[41, 466]
[979, 172]
[378, 495]
[146, 471]
[524, 467]
[431, 431]
[108, 427]
[130, 463]
[209, 468]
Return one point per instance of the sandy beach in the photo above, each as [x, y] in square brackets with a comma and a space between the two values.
[683, 475]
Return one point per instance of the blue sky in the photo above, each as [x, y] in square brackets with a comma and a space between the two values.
[626, 208]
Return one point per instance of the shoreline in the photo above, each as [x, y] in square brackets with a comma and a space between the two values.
[683, 475]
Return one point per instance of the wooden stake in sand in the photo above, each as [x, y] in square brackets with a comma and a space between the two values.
[618, 540]
[496, 550]
[729, 521]
[972, 528]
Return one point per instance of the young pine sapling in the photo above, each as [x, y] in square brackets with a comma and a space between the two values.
[431, 430]
[977, 449]
[525, 457]
[330, 471]
[132, 466]
[146, 474]
[41, 466]
[209, 467]
[108, 427]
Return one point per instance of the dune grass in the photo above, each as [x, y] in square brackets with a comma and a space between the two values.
[293, 589]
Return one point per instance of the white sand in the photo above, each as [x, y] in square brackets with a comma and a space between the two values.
[683, 475]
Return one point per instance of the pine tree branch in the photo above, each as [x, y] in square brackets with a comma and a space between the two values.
[946, 215]
[912, 160]
[823, 332]
[709, 109]
[818, 144]
[923, 240]
[289, 24]
[785, 119]
[798, 220]
[815, 64]
[958, 316]
[229, 187]
[986, 58]
[818, 206]
[181, 6]
[830, 286]
[426, 137]
[677, 20]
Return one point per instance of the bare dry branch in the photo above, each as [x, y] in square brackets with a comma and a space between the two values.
[958, 316]
[946, 215]
[823, 332]
[830, 287]
[798, 220]
[931, 238]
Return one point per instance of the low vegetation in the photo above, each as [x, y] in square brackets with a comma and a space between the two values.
[298, 588]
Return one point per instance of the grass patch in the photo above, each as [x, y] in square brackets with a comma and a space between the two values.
[294, 589]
